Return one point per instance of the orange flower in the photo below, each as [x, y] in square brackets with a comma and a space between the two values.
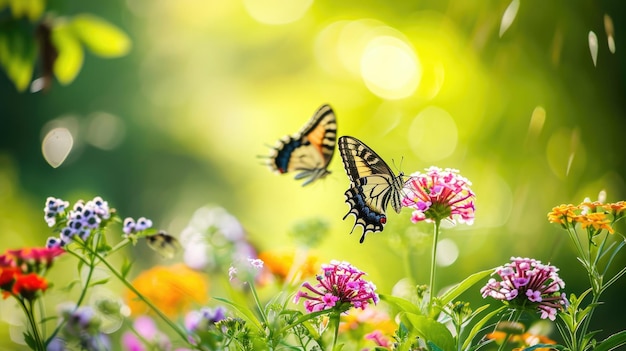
[281, 263]
[172, 289]
[563, 214]
[597, 220]
[616, 208]
[27, 285]
[524, 340]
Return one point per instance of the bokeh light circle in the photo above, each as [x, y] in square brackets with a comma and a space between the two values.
[433, 134]
[390, 68]
[447, 252]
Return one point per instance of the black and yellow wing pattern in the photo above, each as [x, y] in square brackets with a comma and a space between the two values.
[310, 150]
[372, 185]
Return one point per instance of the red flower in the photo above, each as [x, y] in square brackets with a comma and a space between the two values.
[31, 259]
[27, 285]
[7, 276]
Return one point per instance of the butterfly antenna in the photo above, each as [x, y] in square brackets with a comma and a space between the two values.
[399, 169]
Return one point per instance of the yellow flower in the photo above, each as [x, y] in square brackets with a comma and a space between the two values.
[597, 220]
[563, 214]
[172, 289]
[284, 262]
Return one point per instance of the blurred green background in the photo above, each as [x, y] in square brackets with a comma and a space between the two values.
[180, 121]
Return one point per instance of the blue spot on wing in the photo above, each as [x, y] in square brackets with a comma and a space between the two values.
[370, 219]
[283, 155]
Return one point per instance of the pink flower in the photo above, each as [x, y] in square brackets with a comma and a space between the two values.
[527, 282]
[439, 194]
[340, 283]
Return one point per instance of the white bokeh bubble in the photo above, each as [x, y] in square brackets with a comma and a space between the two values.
[447, 252]
[56, 146]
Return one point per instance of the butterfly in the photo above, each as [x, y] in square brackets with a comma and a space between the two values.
[310, 150]
[164, 244]
[372, 185]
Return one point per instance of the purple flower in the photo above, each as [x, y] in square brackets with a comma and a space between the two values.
[527, 282]
[130, 226]
[54, 208]
[340, 283]
[82, 326]
[439, 194]
[81, 220]
[53, 242]
[201, 320]
[243, 271]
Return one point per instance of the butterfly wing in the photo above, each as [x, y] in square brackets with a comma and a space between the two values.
[309, 151]
[164, 244]
[372, 185]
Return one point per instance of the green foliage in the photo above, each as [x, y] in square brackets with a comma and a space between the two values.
[17, 53]
[70, 53]
[429, 330]
[54, 40]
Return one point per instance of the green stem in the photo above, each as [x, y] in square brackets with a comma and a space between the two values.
[433, 263]
[257, 301]
[516, 316]
[334, 319]
[163, 317]
[91, 264]
[29, 311]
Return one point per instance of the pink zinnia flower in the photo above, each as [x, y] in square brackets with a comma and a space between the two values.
[439, 194]
[340, 283]
[527, 282]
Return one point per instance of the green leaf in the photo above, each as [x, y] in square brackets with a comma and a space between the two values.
[245, 311]
[27, 8]
[70, 54]
[100, 37]
[463, 286]
[17, 53]
[429, 329]
[612, 342]
[548, 346]
[126, 266]
[479, 325]
[400, 304]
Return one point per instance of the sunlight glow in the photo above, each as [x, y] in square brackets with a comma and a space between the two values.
[277, 11]
[433, 134]
[390, 68]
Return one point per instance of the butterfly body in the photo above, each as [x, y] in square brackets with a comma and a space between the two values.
[309, 151]
[372, 185]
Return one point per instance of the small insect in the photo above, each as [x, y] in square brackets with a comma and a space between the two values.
[310, 150]
[163, 243]
[372, 185]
